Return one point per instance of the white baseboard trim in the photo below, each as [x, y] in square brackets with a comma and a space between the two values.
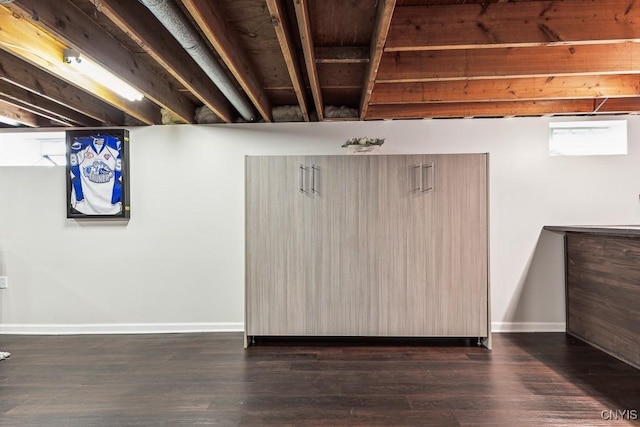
[528, 327]
[118, 328]
[172, 328]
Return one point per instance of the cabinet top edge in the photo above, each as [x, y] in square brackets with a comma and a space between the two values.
[368, 155]
[619, 230]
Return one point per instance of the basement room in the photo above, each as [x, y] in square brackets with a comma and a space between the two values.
[306, 212]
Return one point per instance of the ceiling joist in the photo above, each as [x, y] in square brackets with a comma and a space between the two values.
[545, 61]
[501, 109]
[45, 116]
[536, 88]
[27, 42]
[378, 40]
[21, 73]
[44, 107]
[70, 25]
[283, 33]
[342, 55]
[618, 105]
[335, 76]
[18, 114]
[141, 26]
[223, 40]
[306, 37]
[511, 24]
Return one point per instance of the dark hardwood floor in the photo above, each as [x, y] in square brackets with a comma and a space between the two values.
[209, 379]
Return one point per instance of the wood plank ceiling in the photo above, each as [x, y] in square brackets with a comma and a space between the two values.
[307, 60]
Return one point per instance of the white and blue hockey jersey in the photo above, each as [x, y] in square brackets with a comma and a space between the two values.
[96, 175]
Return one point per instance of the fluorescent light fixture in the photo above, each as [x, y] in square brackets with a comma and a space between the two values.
[98, 74]
[8, 121]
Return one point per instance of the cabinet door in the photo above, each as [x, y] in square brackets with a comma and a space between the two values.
[372, 268]
[368, 212]
[459, 296]
[337, 290]
[427, 244]
[280, 244]
[395, 239]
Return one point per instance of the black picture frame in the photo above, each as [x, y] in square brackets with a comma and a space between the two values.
[97, 173]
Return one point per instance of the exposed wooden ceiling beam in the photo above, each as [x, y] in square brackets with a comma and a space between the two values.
[333, 76]
[306, 37]
[283, 33]
[342, 55]
[527, 23]
[142, 27]
[46, 118]
[601, 103]
[223, 39]
[18, 114]
[620, 105]
[69, 24]
[378, 40]
[545, 61]
[494, 109]
[35, 46]
[19, 72]
[536, 88]
[44, 107]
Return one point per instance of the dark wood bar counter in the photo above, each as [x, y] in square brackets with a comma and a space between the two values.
[602, 269]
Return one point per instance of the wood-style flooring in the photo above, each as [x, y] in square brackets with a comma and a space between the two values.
[210, 379]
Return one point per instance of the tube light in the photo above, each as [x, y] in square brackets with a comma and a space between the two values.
[98, 74]
[8, 121]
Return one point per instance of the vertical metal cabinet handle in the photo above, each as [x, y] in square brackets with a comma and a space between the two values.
[301, 178]
[419, 170]
[431, 180]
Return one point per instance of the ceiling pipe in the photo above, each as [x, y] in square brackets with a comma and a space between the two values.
[181, 29]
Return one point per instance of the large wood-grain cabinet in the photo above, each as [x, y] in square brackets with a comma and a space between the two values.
[367, 245]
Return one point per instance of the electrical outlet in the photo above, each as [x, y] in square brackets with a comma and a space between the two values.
[4, 282]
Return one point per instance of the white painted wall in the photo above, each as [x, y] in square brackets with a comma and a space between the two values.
[178, 264]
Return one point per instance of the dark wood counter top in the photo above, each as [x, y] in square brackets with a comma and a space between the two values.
[608, 230]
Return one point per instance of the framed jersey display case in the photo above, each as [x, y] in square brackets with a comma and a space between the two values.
[98, 173]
